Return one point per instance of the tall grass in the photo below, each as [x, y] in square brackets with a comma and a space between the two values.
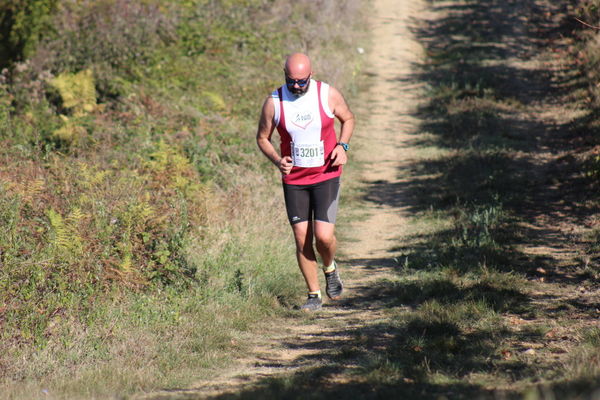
[144, 233]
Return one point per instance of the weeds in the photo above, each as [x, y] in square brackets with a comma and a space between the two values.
[131, 198]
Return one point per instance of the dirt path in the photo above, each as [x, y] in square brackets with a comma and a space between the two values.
[392, 106]
[307, 340]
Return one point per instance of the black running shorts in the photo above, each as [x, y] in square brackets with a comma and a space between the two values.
[318, 201]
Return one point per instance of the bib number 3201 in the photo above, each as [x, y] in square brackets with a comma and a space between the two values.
[308, 154]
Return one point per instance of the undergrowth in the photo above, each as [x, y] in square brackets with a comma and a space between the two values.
[142, 231]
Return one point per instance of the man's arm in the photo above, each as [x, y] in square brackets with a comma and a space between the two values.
[263, 138]
[342, 112]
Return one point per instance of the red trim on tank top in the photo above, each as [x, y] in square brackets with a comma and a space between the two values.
[285, 147]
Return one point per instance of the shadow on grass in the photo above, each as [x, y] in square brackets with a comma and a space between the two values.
[386, 360]
[483, 108]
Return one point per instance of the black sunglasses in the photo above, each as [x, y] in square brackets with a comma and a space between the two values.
[299, 82]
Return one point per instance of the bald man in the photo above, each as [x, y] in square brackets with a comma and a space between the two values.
[310, 159]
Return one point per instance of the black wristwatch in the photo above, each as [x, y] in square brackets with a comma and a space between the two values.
[345, 146]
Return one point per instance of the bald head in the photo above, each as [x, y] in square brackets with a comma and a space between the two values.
[297, 66]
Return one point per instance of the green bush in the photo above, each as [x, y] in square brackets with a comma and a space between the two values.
[117, 34]
[22, 24]
[6, 107]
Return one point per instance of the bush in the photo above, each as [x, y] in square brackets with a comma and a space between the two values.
[6, 107]
[22, 24]
[120, 34]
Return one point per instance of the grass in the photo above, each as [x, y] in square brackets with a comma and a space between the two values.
[142, 248]
[144, 238]
[464, 281]
[471, 312]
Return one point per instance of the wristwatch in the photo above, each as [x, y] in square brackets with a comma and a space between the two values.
[345, 146]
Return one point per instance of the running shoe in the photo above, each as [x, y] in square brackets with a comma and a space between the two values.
[334, 286]
[313, 303]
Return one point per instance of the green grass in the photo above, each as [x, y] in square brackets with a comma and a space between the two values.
[467, 314]
[142, 247]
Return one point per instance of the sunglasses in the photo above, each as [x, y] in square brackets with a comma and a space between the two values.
[299, 82]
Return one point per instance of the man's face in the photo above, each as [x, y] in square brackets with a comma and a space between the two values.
[298, 87]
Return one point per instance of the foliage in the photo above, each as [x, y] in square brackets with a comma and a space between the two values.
[77, 91]
[130, 176]
[22, 24]
[121, 34]
[5, 106]
[589, 11]
[589, 44]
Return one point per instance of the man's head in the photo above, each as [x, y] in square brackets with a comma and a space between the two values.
[297, 73]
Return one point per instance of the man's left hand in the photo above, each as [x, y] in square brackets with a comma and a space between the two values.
[338, 156]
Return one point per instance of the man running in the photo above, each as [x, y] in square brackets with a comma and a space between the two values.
[310, 161]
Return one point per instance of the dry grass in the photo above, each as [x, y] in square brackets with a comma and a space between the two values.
[493, 297]
[139, 255]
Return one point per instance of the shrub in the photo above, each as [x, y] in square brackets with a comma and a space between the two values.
[6, 107]
[22, 23]
[114, 38]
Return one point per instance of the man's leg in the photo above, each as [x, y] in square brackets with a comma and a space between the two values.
[305, 254]
[326, 241]
[326, 246]
[325, 198]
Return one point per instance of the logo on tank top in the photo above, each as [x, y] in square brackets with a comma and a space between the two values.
[302, 119]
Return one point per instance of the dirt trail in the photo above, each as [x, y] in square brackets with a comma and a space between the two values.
[394, 97]
[381, 144]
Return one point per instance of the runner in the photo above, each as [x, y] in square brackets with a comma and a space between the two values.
[310, 161]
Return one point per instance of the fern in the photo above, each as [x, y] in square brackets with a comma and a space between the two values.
[126, 263]
[33, 189]
[79, 95]
[91, 176]
[142, 212]
[66, 238]
[70, 132]
[74, 219]
[216, 101]
[168, 165]
[59, 229]
[77, 91]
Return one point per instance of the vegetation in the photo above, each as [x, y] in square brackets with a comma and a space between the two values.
[469, 320]
[587, 54]
[132, 196]
[134, 247]
[490, 298]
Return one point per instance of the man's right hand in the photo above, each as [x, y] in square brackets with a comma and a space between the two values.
[285, 165]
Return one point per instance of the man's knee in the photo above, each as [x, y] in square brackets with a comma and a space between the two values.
[303, 243]
[325, 240]
[304, 246]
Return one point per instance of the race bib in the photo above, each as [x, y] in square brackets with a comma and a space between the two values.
[308, 155]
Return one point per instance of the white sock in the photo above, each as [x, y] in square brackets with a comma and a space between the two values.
[331, 268]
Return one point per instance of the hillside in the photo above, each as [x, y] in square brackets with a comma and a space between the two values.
[147, 254]
[132, 194]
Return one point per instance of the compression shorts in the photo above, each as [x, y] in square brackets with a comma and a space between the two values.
[318, 201]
